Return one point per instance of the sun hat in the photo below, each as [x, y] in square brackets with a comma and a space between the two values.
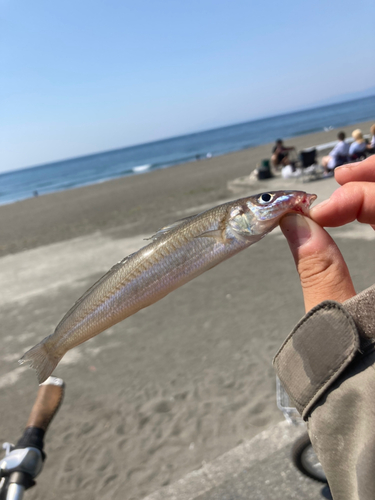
[357, 135]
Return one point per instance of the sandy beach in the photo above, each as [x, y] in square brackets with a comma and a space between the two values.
[179, 383]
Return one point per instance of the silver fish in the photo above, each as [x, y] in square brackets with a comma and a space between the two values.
[177, 254]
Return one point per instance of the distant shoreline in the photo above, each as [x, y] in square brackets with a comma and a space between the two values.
[104, 166]
[192, 134]
[142, 169]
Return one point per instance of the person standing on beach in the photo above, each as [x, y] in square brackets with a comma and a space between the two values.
[338, 156]
[280, 154]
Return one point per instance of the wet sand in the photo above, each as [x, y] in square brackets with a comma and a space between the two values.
[178, 383]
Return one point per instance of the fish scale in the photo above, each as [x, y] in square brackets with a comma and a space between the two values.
[176, 255]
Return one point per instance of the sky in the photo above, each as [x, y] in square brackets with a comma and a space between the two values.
[84, 76]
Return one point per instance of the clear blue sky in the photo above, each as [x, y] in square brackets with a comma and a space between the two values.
[83, 76]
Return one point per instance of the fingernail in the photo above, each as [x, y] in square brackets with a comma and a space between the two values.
[296, 229]
[348, 165]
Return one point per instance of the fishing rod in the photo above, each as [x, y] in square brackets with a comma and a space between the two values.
[24, 461]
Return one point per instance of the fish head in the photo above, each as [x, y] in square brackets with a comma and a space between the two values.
[257, 215]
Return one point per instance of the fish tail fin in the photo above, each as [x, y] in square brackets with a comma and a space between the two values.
[41, 360]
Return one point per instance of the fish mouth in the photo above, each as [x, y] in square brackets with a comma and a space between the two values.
[305, 203]
[309, 199]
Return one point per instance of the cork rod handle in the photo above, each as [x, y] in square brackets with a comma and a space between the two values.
[47, 403]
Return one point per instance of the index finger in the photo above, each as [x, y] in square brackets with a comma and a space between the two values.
[356, 172]
[352, 201]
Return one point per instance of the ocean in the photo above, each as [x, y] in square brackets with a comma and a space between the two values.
[135, 160]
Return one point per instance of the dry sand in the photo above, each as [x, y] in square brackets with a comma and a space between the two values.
[177, 384]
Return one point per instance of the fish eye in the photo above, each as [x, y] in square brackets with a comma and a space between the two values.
[265, 198]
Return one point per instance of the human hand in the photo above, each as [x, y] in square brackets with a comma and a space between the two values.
[323, 272]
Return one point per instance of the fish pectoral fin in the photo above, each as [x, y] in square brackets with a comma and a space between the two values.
[217, 234]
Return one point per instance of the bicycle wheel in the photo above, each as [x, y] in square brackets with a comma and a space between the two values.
[306, 460]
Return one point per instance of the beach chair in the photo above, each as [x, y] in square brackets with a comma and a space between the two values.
[308, 164]
[358, 156]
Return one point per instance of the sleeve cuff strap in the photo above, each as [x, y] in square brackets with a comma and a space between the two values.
[317, 351]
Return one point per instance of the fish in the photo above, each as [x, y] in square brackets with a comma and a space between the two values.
[176, 254]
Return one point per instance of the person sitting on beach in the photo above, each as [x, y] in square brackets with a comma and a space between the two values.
[357, 148]
[371, 147]
[338, 156]
[280, 154]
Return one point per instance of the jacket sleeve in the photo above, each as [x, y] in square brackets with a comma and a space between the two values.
[327, 367]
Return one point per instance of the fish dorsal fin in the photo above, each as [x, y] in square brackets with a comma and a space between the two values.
[113, 270]
[167, 229]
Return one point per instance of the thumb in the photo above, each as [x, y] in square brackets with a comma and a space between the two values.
[321, 267]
